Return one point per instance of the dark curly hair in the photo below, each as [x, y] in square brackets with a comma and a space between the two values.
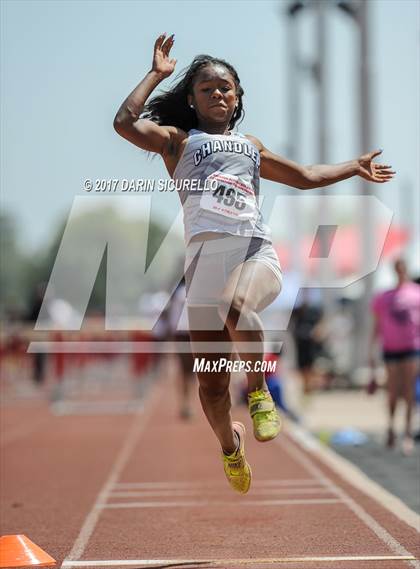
[171, 107]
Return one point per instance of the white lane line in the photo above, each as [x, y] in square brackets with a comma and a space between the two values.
[394, 545]
[215, 483]
[224, 562]
[207, 503]
[170, 493]
[123, 456]
[355, 476]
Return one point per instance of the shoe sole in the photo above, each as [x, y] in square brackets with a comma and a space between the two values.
[265, 440]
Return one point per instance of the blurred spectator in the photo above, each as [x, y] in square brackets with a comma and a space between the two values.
[304, 322]
[338, 331]
[417, 387]
[39, 358]
[178, 329]
[397, 327]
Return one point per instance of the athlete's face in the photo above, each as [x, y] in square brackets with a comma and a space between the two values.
[214, 94]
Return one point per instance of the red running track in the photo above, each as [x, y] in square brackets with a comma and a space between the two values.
[148, 490]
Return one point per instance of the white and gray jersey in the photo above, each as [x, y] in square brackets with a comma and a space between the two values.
[220, 179]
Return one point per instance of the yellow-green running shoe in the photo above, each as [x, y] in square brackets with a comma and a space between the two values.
[237, 470]
[267, 423]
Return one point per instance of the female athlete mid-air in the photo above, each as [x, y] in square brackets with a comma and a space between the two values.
[231, 269]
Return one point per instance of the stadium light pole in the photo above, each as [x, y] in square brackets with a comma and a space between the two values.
[319, 74]
[321, 78]
[358, 11]
[293, 124]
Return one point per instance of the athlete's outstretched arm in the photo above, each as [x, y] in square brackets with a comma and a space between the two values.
[141, 132]
[278, 169]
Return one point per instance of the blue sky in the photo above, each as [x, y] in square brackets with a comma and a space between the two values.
[67, 66]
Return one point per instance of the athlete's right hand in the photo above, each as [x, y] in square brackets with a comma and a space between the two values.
[161, 62]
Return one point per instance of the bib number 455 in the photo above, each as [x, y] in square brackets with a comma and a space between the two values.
[229, 197]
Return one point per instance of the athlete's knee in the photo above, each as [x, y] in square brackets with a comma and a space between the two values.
[231, 310]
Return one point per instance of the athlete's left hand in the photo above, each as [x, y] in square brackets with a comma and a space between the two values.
[373, 172]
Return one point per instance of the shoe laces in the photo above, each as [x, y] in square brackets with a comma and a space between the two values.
[236, 463]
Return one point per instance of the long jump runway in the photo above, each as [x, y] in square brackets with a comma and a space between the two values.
[149, 491]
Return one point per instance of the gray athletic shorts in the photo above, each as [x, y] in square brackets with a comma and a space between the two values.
[208, 265]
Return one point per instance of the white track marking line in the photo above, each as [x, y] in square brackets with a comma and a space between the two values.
[366, 518]
[224, 562]
[131, 440]
[355, 476]
[212, 484]
[269, 491]
[209, 503]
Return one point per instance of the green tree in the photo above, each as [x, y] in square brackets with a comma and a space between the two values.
[13, 291]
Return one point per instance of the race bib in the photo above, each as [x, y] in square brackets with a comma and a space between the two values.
[227, 195]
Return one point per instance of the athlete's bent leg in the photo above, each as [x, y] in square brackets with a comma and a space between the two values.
[251, 287]
[214, 387]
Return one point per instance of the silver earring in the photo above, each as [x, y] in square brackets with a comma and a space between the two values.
[192, 106]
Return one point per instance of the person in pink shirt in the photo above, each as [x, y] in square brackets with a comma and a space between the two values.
[397, 327]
